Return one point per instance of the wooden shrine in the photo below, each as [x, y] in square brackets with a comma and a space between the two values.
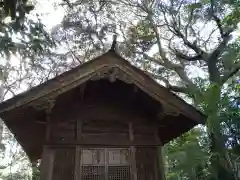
[103, 120]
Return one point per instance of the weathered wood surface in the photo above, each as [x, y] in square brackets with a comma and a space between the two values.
[147, 164]
[101, 123]
[63, 166]
[103, 120]
[47, 161]
[108, 78]
[161, 164]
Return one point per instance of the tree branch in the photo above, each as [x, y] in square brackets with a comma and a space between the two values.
[176, 31]
[73, 54]
[225, 35]
[164, 61]
[193, 45]
[175, 67]
[213, 58]
[188, 24]
[217, 52]
[231, 73]
[167, 64]
[155, 29]
[186, 57]
[216, 19]
[180, 89]
[219, 23]
[71, 5]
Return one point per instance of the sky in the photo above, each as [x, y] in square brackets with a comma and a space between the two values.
[50, 14]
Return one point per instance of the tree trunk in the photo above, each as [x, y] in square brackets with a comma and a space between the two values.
[1, 121]
[220, 165]
[1, 130]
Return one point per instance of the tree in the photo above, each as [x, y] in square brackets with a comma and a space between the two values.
[23, 40]
[187, 157]
[14, 163]
[16, 9]
[167, 38]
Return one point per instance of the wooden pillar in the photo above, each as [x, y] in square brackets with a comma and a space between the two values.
[161, 164]
[49, 108]
[133, 152]
[77, 170]
[46, 166]
[47, 160]
[79, 124]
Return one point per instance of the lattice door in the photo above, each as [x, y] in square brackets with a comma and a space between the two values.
[105, 164]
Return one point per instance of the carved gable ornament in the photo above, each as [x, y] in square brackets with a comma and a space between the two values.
[112, 74]
[115, 73]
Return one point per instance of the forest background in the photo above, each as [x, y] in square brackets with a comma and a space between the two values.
[192, 47]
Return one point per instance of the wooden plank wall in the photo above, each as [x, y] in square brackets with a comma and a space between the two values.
[99, 125]
[63, 166]
[147, 163]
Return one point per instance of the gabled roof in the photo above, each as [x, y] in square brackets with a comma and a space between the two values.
[90, 70]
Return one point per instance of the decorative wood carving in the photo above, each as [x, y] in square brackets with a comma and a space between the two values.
[112, 73]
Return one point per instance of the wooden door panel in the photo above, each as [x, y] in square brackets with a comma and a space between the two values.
[147, 163]
[63, 168]
[105, 164]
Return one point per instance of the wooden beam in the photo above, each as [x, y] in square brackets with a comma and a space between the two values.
[82, 90]
[113, 74]
[161, 164]
[133, 152]
[135, 89]
[97, 145]
[46, 167]
[107, 144]
[79, 130]
[160, 115]
[77, 170]
[49, 108]
[158, 139]
[159, 167]
[131, 134]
